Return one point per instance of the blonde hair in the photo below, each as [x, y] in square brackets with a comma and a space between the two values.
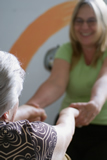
[100, 10]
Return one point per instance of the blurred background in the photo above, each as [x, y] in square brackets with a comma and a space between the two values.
[33, 31]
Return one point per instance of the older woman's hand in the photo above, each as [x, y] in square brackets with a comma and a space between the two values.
[87, 112]
[30, 113]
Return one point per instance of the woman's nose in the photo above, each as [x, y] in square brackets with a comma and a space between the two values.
[85, 25]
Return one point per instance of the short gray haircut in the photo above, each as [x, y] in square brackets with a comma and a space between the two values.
[11, 81]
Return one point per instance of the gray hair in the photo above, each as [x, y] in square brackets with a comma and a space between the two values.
[11, 81]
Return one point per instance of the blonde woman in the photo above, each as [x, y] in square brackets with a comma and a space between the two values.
[80, 70]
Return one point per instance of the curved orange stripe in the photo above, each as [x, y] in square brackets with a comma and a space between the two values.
[40, 30]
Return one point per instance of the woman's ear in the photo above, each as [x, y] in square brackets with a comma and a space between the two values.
[6, 116]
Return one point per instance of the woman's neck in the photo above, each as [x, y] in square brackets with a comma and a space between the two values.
[88, 53]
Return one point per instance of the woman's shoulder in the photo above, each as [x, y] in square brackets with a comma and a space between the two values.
[38, 134]
[67, 45]
[43, 126]
[36, 126]
[64, 52]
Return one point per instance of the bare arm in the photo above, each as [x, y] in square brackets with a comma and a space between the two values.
[54, 86]
[89, 110]
[65, 128]
[99, 90]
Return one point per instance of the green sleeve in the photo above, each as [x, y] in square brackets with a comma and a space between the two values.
[64, 52]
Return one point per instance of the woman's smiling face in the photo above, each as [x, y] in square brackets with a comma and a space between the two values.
[85, 27]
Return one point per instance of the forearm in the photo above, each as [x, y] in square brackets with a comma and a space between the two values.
[55, 85]
[65, 129]
[99, 91]
[66, 122]
[46, 94]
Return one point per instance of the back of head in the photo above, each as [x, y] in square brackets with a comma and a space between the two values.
[11, 81]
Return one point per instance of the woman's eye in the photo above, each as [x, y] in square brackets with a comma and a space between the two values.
[78, 21]
[91, 21]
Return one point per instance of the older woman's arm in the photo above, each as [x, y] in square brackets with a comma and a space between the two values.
[65, 128]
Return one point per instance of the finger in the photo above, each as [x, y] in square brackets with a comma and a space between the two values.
[82, 122]
[73, 104]
[76, 112]
[36, 112]
[42, 114]
[79, 121]
[76, 106]
[37, 105]
[43, 117]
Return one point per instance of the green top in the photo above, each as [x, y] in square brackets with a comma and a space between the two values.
[81, 80]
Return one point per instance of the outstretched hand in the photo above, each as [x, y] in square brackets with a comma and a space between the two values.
[87, 112]
[30, 113]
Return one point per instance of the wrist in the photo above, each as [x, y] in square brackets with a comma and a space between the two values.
[33, 104]
[96, 105]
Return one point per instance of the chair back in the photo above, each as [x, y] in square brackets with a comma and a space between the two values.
[66, 157]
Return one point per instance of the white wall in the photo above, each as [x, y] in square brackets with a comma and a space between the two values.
[15, 17]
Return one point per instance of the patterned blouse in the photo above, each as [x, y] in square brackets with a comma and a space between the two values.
[23, 140]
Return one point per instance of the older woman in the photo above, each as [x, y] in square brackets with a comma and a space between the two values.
[80, 70]
[22, 139]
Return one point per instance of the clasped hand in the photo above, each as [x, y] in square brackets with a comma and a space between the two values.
[30, 113]
[87, 112]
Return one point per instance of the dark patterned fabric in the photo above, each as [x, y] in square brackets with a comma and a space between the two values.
[23, 140]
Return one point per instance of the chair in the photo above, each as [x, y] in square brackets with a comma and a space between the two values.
[66, 157]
